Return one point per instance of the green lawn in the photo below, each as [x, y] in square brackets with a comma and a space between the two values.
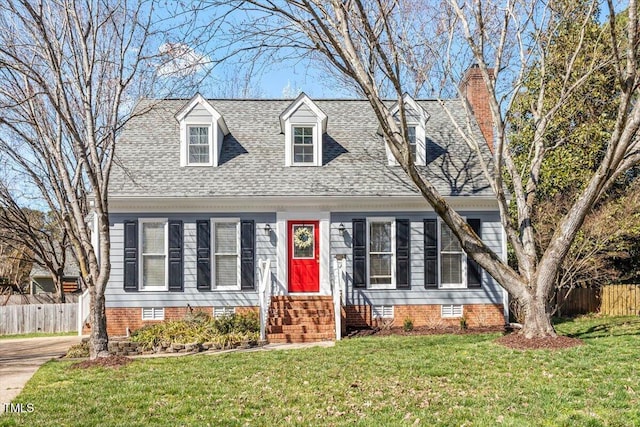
[432, 380]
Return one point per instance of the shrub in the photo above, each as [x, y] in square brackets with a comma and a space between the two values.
[407, 326]
[463, 323]
[78, 350]
[199, 327]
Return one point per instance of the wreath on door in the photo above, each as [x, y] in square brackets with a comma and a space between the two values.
[303, 238]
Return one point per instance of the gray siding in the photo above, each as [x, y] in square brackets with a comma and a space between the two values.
[411, 114]
[490, 292]
[340, 244]
[303, 114]
[116, 297]
[199, 113]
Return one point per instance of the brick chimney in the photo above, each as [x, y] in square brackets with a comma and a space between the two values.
[473, 88]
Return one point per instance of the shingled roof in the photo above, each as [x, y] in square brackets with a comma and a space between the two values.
[252, 162]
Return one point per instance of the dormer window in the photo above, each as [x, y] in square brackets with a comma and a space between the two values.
[199, 145]
[303, 148]
[416, 119]
[411, 136]
[202, 130]
[303, 125]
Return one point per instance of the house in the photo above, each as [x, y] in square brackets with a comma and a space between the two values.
[42, 282]
[205, 192]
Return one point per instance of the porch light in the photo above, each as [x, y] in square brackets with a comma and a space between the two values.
[267, 229]
[341, 228]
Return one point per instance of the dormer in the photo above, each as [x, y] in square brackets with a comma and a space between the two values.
[303, 125]
[416, 126]
[202, 130]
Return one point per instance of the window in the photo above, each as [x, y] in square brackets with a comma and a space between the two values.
[303, 145]
[304, 234]
[411, 136]
[223, 311]
[302, 123]
[226, 256]
[382, 312]
[202, 132]
[451, 259]
[199, 145]
[381, 253]
[451, 310]
[153, 313]
[153, 235]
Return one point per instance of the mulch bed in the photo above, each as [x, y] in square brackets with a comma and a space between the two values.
[104, 362]
[420, 330]
[512, 340]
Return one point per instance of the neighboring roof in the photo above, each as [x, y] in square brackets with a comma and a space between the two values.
[71, 268]
[252, 161]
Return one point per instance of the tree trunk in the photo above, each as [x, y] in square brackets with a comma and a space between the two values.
[57, 281]
[537, 318]
[99, 340]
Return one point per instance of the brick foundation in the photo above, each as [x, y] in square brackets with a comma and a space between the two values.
[119, 319]
[476, 315]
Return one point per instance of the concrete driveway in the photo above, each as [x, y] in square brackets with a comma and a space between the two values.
[21, 358]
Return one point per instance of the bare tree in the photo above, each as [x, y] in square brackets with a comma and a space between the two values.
[388, 47]
[35, 238]
[70, 72]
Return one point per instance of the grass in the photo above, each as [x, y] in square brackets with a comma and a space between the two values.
[39, 335]
[430, 380]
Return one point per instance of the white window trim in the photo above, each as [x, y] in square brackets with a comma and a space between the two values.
[463, 267]
[157, 313]
[141, 286]
[421, 146]
[392, 285]
[314, 143]
[214, 285]
[448, 311]
[317, 145]
[210, 130]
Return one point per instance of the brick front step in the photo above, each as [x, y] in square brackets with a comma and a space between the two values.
[294, 319]
[301, 313]
[312, 305]
[299, 329]
[288, 320]
[297, 338]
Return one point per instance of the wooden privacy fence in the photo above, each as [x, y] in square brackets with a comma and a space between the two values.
[28, 318]
[620, 300]
[578, 301]
[610, 300]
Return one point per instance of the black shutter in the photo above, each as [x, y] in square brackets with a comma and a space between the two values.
[130, 256]
[359, 253]
[247, 255]
[403, 254]
[176, 263]
[474, 272]
[430, 254]
[203, 255]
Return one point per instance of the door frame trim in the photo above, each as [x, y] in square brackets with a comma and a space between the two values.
[282, 270]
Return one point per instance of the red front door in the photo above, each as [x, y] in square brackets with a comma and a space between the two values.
[304, 256]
